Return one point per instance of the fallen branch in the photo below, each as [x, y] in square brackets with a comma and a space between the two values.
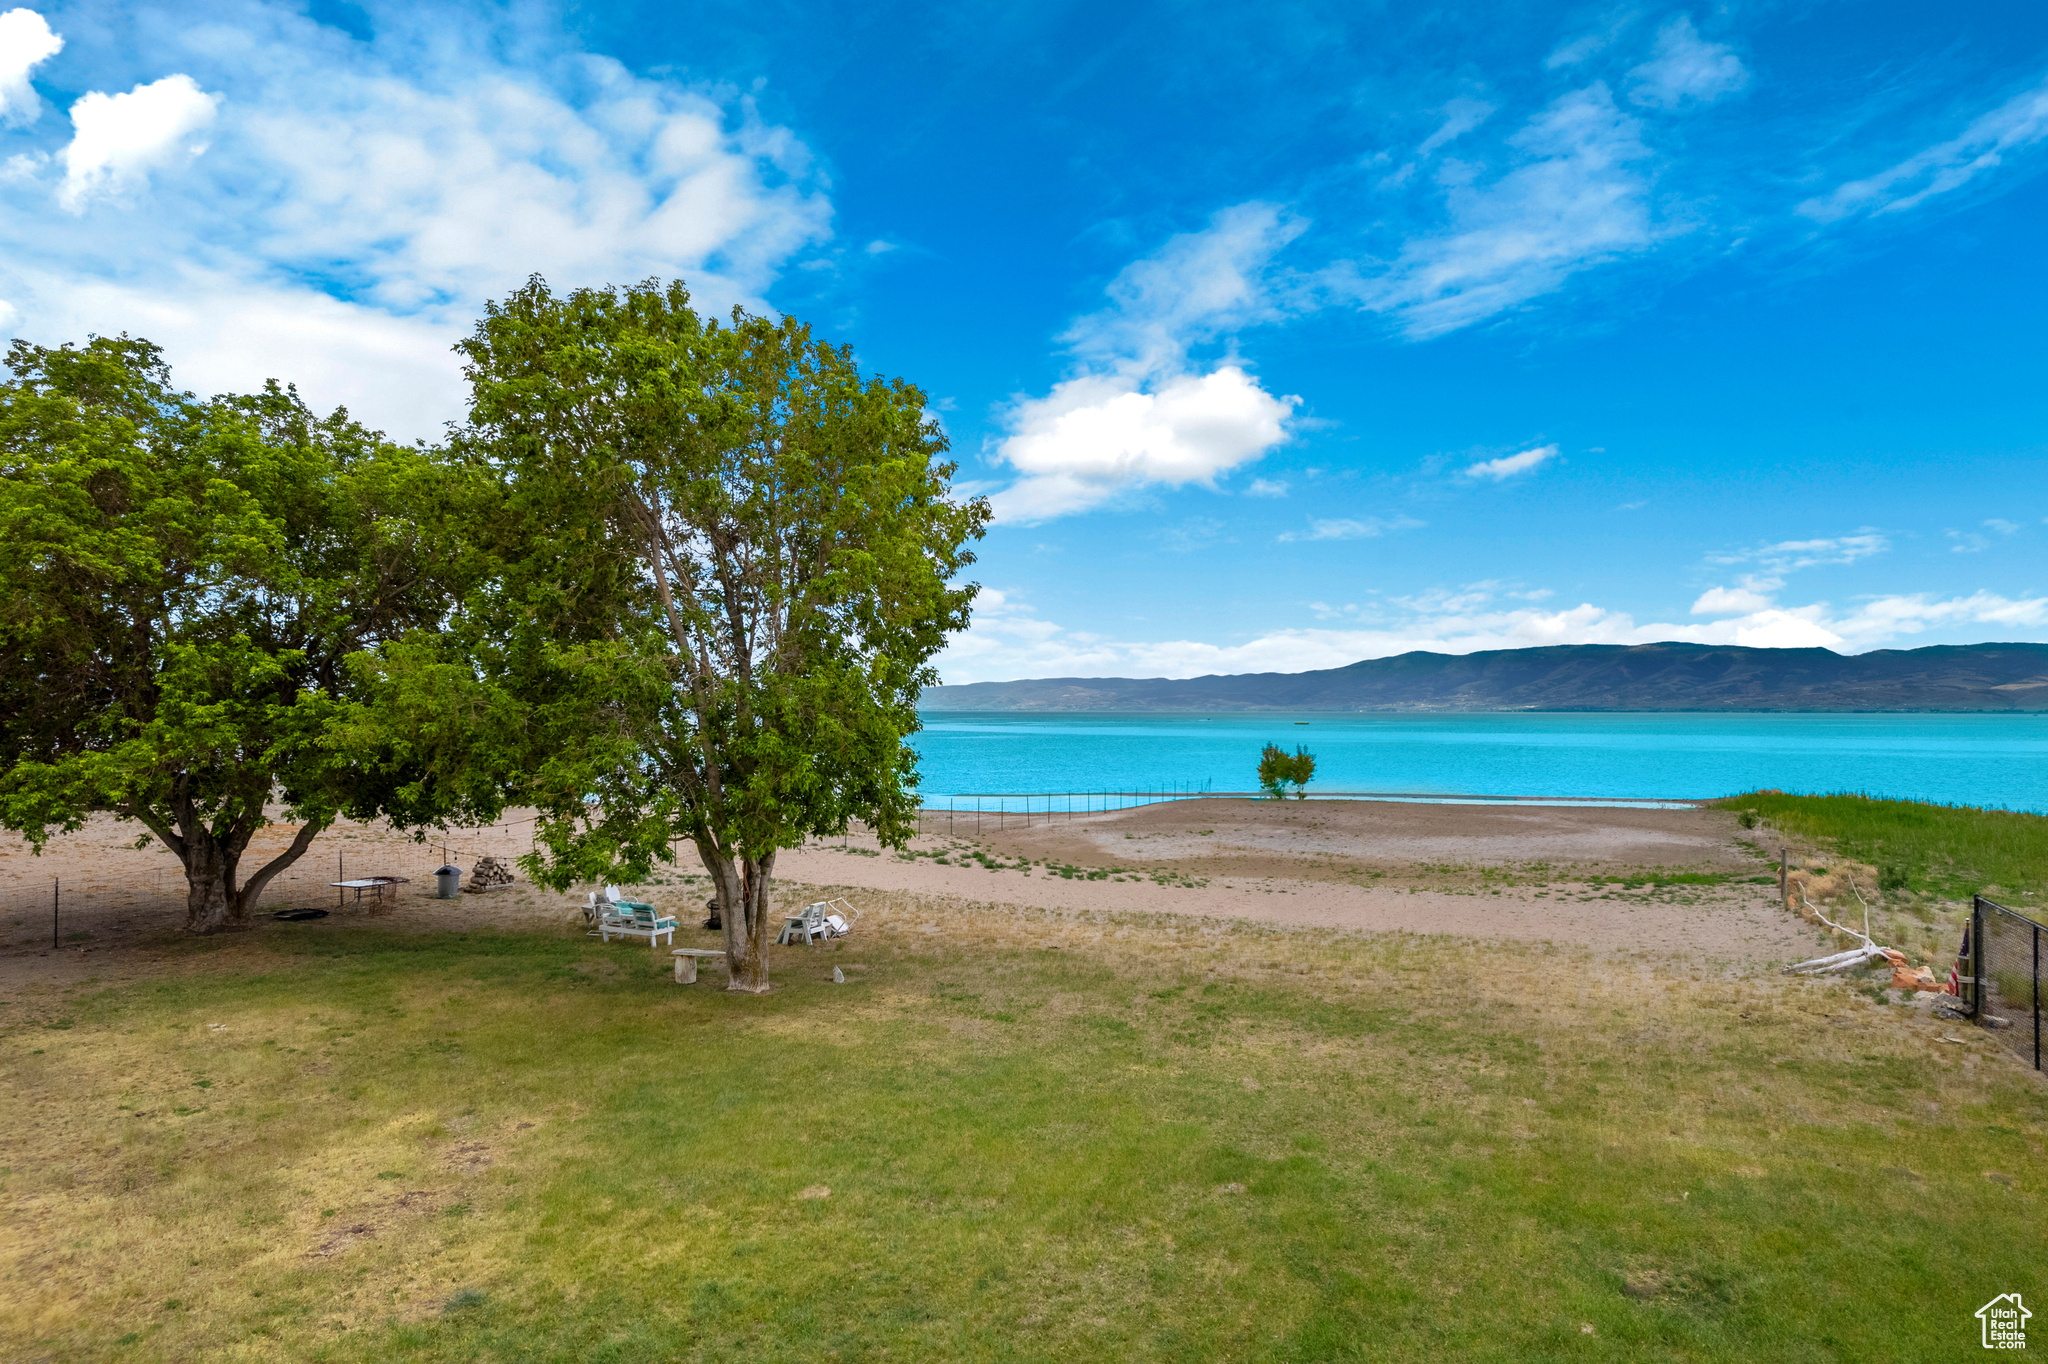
[1840, 961]
[1867, 954]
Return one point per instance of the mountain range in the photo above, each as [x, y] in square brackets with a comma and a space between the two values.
[1569, 677]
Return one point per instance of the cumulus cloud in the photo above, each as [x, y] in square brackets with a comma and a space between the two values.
[2018, 123]
[1266, 487]
[1685, 67]
[1755, 592]
[1094, 437]
[1370, 528]
[26, 42]
[1578, 196]
[1010, 640]
[1882, 619]
[117, 139]
[360, 199]
[1138, 413]
[1730, 601]
[1507, 466]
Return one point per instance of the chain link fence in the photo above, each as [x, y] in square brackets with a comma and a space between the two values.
[78, 909]
[2003, 988]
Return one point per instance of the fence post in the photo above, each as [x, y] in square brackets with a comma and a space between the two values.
[56, 887]
[1976, 956]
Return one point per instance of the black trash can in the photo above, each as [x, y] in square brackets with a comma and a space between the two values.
[447, 882]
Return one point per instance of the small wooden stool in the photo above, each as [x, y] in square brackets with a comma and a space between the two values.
[686, 962]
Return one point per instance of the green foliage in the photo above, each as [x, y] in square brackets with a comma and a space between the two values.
[183, 584]
[1953, 850]
[1279, 769]
[726, 561]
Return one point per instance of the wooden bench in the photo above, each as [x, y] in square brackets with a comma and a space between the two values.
[686, 962]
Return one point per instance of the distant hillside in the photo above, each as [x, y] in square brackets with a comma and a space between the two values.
[1970, 677]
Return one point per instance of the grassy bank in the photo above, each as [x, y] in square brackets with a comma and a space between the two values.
[1007, 1137]
[1950, 850]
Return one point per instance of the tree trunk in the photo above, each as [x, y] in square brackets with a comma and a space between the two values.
[212, 900]
[748, 914]
[209, 884]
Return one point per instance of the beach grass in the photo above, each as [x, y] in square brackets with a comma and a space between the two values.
[1009, 1136]
[1951, 850]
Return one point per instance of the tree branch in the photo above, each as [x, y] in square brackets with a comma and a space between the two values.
[301, 841]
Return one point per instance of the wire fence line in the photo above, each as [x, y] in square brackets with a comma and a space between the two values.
[995, 811]
[2003, 989]
[71, 909]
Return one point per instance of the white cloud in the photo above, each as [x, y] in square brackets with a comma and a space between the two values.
[1789, 556]
[1577, 198]
[2003, 526]
[1975, 542]
[2016, 124]
[1507, 466]
[360, 200]
[1266, 487]
[1683, 67]
[1730, 601]
[118, 138]
[1461, 116]
[1009, 640]
[1199, 285]
[223, 332]
[1095, 437]
[1588, 45]
[1883, 618]
[26, 42]
[1371, 528]
[1775, 629]
[1139, 414]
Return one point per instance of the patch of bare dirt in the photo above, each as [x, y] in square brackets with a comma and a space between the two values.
[1337, 839]
[341, 1239]
[469, 1157]
[1535, 873]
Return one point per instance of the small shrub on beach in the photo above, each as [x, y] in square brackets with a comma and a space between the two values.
[1279, 769]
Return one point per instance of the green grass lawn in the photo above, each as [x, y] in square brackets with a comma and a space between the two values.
[1043, 1138]
[1951, 850]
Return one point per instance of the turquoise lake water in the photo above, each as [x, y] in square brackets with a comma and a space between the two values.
[1994, 760]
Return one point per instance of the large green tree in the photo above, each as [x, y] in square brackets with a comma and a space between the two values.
[182, 586]
[731, 559]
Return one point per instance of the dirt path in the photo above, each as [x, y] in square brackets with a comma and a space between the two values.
[1738, 924]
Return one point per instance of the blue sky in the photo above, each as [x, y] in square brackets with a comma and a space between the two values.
[1280, 335]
